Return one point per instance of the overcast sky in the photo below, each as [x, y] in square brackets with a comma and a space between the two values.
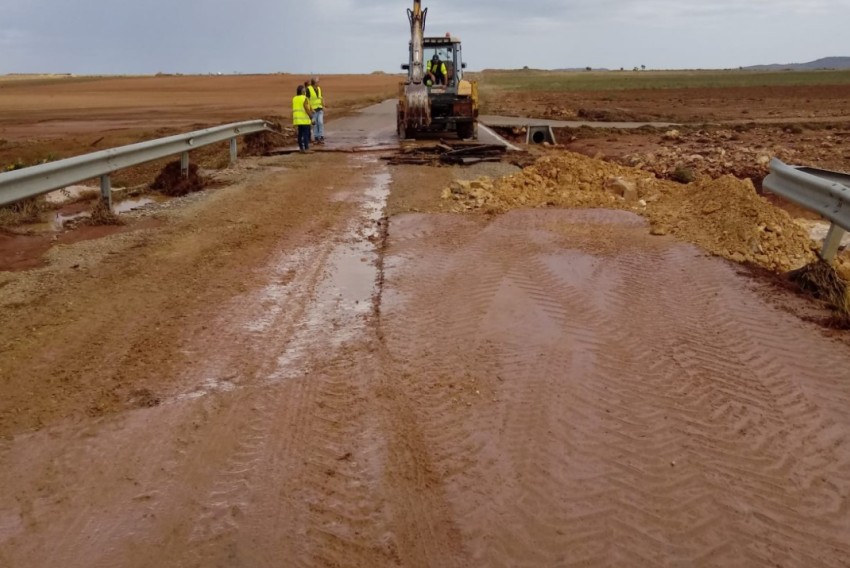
[360, 36]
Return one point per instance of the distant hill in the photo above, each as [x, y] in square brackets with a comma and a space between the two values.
[823, 63]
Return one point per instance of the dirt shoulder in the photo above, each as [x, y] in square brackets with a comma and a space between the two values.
[103, 327]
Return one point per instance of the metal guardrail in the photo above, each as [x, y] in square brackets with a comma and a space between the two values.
[38, 180]
[821, 191]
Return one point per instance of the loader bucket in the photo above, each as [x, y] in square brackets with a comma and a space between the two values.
[418, 115]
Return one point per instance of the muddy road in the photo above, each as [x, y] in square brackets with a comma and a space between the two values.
[279, 376]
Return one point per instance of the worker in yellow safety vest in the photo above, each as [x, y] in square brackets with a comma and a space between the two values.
[437, 71]
[302, 118]
[314, 93]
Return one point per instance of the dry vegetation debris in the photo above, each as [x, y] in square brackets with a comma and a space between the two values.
[101, 215]
[26, 211]
[172, 182]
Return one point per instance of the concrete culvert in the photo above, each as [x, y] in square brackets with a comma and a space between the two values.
[170, 180]
[540, 135]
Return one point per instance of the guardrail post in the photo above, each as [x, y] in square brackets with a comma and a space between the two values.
[184, 164]
[233, 150]
[106, 191]
[832, 242]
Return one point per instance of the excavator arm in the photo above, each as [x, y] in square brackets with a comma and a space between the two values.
[416, 113]
[417, 18]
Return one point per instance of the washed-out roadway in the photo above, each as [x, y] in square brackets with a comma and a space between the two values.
[542, 388]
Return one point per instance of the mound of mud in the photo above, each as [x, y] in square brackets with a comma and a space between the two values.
[101, 216]
[170, 180]
[261, 143]
[725, 216]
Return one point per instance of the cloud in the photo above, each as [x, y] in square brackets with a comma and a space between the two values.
[128, 36]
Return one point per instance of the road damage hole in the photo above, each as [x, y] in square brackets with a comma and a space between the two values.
[171, 181]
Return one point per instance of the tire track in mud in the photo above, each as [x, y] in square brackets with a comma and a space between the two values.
[708, 358]
[310, 416]
[236, 447]
[428, 534]
[651, 426]
[777, 446]
[253, 420]
[273, 465]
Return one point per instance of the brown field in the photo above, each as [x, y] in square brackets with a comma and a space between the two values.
[56, 108]
[51, 118]
[688, 97]
[728, 122]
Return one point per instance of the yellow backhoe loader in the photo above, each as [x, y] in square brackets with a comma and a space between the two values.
[435, 97]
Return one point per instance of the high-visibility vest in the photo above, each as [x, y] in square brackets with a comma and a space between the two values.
[433, 68]
[299, 115]
[315, 97]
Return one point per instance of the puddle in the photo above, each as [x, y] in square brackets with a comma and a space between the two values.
[317, 300]
[131, 204]
[71, 193]
[210, 386]
[59, 220]
[23, 252]
[354, 273]
[125, 206]
[343, 301]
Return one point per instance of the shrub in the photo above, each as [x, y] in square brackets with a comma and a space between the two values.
[683, 174]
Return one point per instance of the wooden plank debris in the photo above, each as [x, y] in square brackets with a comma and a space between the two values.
[448, 153]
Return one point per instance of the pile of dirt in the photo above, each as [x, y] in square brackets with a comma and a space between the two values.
[724, 216]
[170, 180]
[261, 143]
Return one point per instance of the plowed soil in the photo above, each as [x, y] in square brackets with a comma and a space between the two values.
[277, 375]
[725, 130]
[53, 118]
[688, 105]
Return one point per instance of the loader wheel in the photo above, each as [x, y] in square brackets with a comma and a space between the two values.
[406, 132]
[467, 130]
